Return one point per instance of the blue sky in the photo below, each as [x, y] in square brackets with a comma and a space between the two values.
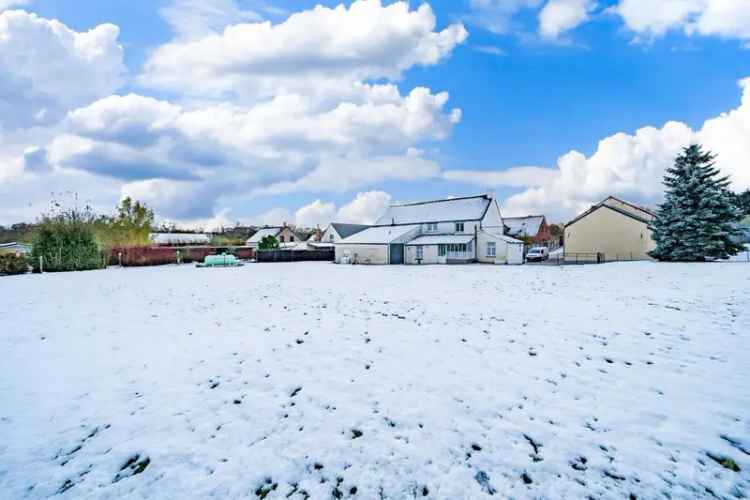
[525, 100]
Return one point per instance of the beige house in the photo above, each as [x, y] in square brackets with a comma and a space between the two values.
[614, 228]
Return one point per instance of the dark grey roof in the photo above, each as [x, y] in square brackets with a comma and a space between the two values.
[346, 230]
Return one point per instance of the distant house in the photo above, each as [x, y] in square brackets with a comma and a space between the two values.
[454, 230]
[17, 248]
[284, 234]
[615, 228]
[532, 228]
[315, 236]
[337, 231]
[179, 239]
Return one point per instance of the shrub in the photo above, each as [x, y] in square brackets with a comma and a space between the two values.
[13, 263]
[129, 227]
[65, 240]
[268, 243]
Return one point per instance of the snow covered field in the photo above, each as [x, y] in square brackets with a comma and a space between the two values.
[312, 380]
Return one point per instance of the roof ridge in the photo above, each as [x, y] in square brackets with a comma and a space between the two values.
[642, 209]
[412, 204]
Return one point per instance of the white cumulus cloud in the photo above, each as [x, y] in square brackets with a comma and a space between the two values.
[317, 213]
[324, 47]
[365, 208]
[559, 16]
[48, 68]
[723, 18]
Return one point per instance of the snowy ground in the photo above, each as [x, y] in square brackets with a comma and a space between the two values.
[312, 380]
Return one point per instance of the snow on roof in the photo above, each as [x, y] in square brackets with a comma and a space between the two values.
[378, 235]
[520, 226]
[441, 239]
[262, 233]
[179, 238]
[449, 210]
[346, 230]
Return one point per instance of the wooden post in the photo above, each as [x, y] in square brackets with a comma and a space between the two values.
[119, 258]
[41, 264]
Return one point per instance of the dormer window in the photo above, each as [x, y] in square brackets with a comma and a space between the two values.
[432, 227]
[459, 227]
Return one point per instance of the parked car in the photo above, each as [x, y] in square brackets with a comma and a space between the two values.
[537, 254]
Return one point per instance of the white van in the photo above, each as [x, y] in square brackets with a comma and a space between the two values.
[537, 254]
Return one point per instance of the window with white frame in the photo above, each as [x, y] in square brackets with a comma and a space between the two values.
[491, 249]
[459, 227]
[441, 250]
[432, 227]
[330, 237]
[420, 252]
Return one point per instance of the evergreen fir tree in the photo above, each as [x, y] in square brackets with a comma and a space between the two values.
[699, 216]
[743, 202]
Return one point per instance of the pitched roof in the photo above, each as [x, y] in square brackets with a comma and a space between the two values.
[448, 210]
[262, 233]
[633, 211]
[346, 230]
[179, 238]
[381, 235]
[629, 206]
[520, 226]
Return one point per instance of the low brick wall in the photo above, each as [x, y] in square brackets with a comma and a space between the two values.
[155, 256]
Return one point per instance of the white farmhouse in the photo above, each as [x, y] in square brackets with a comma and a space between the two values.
[455, 230]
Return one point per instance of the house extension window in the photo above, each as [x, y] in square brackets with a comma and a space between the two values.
[441, 250]
[491, 249]
[459, 227]
[281, 239]
[291, 239]
[420, 252]
[330, 237]
[432, 227]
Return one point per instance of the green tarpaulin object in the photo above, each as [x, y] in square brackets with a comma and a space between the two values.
[223, 260]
